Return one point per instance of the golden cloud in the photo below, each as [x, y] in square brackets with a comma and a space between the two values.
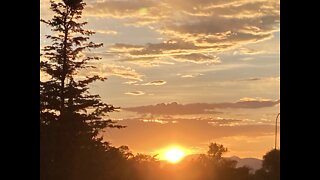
[130, 82]
[135, 93]
[198, 58]
[105, 70]
[202, 108]
[190, 75]
[108, 32]
[195, 31]
[155, 83]
[119, 9]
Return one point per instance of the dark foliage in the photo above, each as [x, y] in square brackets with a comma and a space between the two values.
[270, 167]
[71, 117]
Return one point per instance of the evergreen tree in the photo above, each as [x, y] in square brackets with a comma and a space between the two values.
[70, 116]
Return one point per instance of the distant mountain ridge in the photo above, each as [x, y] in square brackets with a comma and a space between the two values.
[252, 163]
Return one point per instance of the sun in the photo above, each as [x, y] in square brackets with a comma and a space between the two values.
[174, 155]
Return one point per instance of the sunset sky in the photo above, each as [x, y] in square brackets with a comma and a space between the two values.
[187, 72]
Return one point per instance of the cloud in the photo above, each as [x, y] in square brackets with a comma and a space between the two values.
[130, 82]
[224, 27]
[247, 59]
[253, 79]
[190, 75]
[147, 62]
[106, 70]
[156, 83]
[250, 103]
[122, 47]
[135, 93]
[119, 9]
[163, 53]
[148, 134]
[218, 121]
[247, 51]
[202, 108]
[155, 121]
[108, 32]
[166, 48]
[198, 58]
[258, 99]
[261, 79]
[194, 31]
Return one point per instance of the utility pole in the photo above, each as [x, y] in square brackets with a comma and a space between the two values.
[275, 139]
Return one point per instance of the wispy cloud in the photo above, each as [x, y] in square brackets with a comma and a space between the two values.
[198, 58]
[257, 99]
[190, 75]
[247, 59]
[193, 31]
[202, 108]
[121, 47]
[106, 70]
[261, 79]
[142, 133]
[130, 82]
[145, 61]
[135, 93]
[108, 32]
[247, 51]
[156, 83]
[155, 121]
[218, 121]
[119, 9]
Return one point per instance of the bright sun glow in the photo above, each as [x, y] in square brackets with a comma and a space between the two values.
[174, 155]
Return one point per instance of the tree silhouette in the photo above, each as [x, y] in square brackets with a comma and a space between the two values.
[212, 166]
[271, 161]
[216, 150]
[70, 117]
[270, 166]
